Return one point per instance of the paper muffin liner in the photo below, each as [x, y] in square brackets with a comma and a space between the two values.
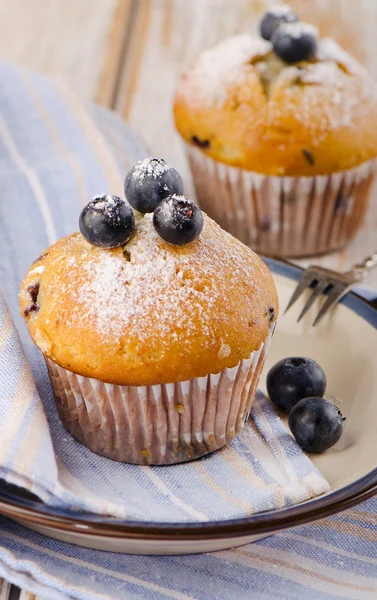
[283, 216]
[158, 424]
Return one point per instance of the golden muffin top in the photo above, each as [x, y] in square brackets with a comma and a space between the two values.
[149, 312]
[243, 105]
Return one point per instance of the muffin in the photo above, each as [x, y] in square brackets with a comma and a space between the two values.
[154, 329]
[281, 136]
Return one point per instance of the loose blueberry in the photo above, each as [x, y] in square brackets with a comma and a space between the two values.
[292, 379]
[293, 42]
[149, 182]
[107, 221]
[274, 17]
[316, 424]
[178, 220]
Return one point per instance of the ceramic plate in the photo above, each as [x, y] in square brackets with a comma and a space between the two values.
[344, 344]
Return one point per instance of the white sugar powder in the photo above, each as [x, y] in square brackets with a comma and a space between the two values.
[218, 67]
[280, 10]
[321, 73]
[329, 50]
[175, 288]
[298, 29]
[37, 270]
[151, 167]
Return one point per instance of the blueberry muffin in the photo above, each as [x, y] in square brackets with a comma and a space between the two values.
[281, 136]
[154, 328]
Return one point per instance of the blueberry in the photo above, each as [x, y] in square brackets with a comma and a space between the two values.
[178, 220]
[292, 379]
[273, 18]
[316, 424]
[33, 293]
[293, 42]
[107, 221]
[149, 182]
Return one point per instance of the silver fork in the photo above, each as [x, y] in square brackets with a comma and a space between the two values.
[334, 284]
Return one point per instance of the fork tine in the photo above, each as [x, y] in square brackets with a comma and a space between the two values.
[337, 292]
[322, 284]
[306, 279]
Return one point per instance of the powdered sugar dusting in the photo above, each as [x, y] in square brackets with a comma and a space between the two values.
[103, 201]
[167, 208]
[329, 50]
[280, 10]
[174, 209]
[337, 90]
[325, 74]
[218, 67]
[154, 289]
[150, 167]
[37, 270]
[298, 29]
[108, 205]
[320, 73]
[320, 111]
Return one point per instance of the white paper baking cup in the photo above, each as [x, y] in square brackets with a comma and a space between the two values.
[283, 216]
[158, 424]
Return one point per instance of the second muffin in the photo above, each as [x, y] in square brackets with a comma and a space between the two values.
[282, 153]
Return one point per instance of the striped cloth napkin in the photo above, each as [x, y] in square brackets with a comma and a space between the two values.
[52, 159]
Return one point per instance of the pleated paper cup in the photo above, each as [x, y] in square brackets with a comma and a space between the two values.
[283, 216]
[158, 424]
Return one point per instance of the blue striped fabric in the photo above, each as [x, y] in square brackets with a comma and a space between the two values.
[333, 559]
[52, 159]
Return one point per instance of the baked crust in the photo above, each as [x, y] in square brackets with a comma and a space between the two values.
[150, 312]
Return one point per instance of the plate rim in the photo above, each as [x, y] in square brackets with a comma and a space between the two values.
[261, 523]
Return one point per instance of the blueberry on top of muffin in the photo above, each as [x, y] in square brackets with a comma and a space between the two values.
[107, 221]
[178, 220]
[149, 182]
[151, 186]
[274, 17]
[294, 42]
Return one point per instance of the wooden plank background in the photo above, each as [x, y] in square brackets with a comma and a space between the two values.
[68, 38]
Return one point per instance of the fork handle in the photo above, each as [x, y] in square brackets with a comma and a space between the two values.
[361, 269]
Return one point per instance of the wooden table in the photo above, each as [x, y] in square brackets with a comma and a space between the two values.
[127, 55]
